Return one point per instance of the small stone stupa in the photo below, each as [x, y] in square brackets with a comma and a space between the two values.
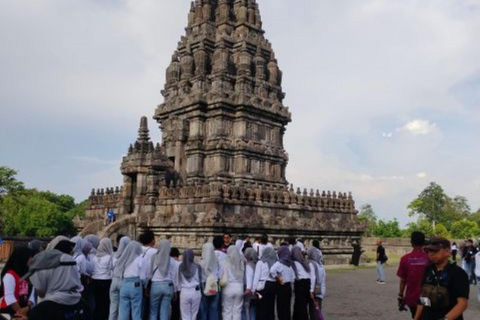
[221, 165]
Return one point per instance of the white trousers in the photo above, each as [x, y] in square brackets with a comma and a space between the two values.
[232, 301]
[190, 303]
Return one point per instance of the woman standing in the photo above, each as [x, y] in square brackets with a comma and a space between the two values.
[303, 290]
[264, 285]
[16, 295]
[102, 278]
[318, 283]
[232, 293]
[282, 271]
[249, 306]
[117, 281]
[164, 282]
[189, 283]
[131, 290]
[210, 275]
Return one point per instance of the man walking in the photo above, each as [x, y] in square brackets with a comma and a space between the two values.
[410, 271]
[468, 256]
[445, 286]
[381, 259]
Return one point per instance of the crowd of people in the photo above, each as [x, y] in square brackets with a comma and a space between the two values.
[90, 278]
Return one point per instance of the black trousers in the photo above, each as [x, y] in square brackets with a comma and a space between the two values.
[302, 297]
[176, 308]
[101, 291]
[266, 305]
[284, 301]
[413, 311]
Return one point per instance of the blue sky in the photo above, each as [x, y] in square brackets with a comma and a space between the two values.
[385, 94]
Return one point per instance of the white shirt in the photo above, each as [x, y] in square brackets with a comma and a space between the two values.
[303, 274]
[9, 290]
[249, 275]
[148, 253]
[477, 264]
[183, 283]
[262, 273]
[171, 276]
[321, 280]
[134, 269]
[83, 265]
[102, 268]
[286, 274]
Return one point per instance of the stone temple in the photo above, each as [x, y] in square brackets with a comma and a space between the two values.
[221, 165]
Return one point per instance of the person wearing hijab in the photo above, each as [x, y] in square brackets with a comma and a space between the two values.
[65, 246]
[80, 257]
[232, 293]
[52, 244]
[94, 241]
[117, 280]
[302, 286]
[318, 280]
[129, 268]
[17, 295]
[36, 246]
[282, 271]
[210, 268]
[164, 282]
[55, 278]
[264, 284]
[189, 283]
[249, 307]
[102, 279]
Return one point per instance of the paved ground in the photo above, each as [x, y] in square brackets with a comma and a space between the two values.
[354, 295]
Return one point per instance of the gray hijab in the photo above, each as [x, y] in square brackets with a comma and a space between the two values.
[105, 248]
[188, 267]
[52, 244]
[236, 262]
[297, 255]
[209, 260]
[94, 240]
[132, 251]
[79, 244]
[59, 283]
[316, 258]
[269, 256]
[124, 241]
[162, 258]
[251, 256]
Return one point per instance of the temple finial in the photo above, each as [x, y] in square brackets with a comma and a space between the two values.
[143, 133]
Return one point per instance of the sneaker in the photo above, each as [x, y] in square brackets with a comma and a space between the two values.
[381, 282]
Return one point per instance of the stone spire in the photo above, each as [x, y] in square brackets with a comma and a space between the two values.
[143, 132]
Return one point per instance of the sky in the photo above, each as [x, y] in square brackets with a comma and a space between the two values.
[385, 94]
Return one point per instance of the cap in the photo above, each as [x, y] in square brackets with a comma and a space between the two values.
[437, 243]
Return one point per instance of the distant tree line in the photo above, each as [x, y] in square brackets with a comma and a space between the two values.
[437, 215]
[30, 212]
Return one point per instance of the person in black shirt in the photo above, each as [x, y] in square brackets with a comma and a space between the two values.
[445, 286]
[381, 259]
[468, 256]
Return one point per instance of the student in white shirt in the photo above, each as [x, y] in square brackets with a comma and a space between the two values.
[102, 278]
[164, 282]
[189, 283]
[129, 268]
[282, 271]
[232, 293]
[264, 285]
[477, 274]
[303, 287]
[210, 269]
[262, 245]
[319, 286]
[116, 280]
[249, 308]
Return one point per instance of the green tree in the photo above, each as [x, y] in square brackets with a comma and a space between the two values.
[387, 229]
[476, 217]
[8, 182]
[368, 217]
[454, 210]
[464, 229]
[421, 225]
[441, 231]
[429, 204]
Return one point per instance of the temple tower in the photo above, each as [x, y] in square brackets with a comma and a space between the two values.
[223, 118]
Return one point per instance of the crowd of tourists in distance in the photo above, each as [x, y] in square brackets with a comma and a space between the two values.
[433, 285]
[90, 278]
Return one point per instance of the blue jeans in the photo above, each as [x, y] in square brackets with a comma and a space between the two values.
[209, 307]
[478, 291]
[131, 294]
[114, 298]
[249, 309]
[380, 271]
[161, 295]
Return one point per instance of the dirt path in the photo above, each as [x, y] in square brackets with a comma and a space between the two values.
[354, 295]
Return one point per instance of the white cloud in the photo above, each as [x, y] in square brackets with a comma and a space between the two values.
[419, 127]
[421, 175]
[387, 135]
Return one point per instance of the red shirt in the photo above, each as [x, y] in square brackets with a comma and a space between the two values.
[411, 269]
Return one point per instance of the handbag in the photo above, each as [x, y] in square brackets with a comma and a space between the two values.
[224, 280]
[211, 286]
[319, 315]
